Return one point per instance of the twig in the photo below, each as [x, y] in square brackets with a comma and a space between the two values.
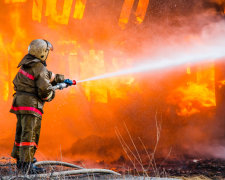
[123, 144]
[141, 163]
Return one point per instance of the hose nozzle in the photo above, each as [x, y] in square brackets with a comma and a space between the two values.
[74, 82]
[63, 85]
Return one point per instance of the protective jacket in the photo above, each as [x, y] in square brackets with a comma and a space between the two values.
[33, 87]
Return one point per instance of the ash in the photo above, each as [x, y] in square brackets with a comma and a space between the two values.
[211, 168]
[168, 170]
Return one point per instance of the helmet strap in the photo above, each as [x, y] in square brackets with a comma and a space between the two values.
[44, 63]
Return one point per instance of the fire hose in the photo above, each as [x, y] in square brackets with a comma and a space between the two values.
[77, 170]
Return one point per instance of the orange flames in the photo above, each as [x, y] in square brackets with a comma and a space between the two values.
[195, 95]
[84, 117]
[126, 11]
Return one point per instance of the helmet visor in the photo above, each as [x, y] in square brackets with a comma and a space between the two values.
[49, 45]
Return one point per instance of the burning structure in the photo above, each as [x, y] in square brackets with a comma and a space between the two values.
[96, 37]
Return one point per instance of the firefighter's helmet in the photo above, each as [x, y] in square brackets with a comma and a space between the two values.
[40, 48]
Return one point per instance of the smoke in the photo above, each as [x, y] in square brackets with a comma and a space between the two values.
[211, 48]
[106, 148]
[164, 50]
[215, 151]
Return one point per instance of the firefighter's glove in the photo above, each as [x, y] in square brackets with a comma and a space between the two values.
[51, 97]
[68, 82]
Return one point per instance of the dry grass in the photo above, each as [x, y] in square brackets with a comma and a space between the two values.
[195, 178]
[135, 157]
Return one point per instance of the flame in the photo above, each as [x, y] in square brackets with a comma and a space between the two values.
[125, 13]
[37, 10]
[221, 3]
[221, 83]
[93, 64]
[79, 9]
[15, 1]
[51, 10]
[99, 91]
[86, 115]
[141, 10]
[193, 96]
[188, 70]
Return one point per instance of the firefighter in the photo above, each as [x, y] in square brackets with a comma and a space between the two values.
[33, 87]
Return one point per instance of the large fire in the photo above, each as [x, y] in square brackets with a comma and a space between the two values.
[195, 95]
[94, 37]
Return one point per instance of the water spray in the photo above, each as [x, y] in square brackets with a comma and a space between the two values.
[205, 55]
[196, 55]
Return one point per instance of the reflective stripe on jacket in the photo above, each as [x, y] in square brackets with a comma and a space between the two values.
[33, 79]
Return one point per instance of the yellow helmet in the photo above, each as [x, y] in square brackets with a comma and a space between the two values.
[40, 48]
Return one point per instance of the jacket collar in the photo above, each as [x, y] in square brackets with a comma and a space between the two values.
[27, 60]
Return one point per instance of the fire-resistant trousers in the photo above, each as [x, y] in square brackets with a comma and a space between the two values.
[27, 136]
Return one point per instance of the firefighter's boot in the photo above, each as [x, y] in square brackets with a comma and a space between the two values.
[34, 160]
[29, 168]
[18, 165]
[36, 170]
